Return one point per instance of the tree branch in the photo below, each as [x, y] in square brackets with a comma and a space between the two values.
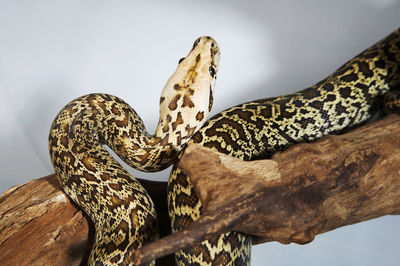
[39, 225]
[306, 190]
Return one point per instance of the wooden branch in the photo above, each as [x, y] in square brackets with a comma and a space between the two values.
[306, 190]
[39, 225]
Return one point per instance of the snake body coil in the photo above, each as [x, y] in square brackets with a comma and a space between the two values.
[256, 129]
[119, 207]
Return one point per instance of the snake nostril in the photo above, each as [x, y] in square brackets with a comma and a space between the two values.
[180, 60]
[196, 42]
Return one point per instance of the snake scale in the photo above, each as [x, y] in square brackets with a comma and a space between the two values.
[122, 212]
[254, 130]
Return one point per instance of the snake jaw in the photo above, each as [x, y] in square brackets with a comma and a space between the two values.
[187, 97]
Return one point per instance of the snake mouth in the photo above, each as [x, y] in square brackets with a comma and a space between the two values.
[207, 42]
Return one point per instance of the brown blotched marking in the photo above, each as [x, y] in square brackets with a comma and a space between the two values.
[165, 127]
[191, 74]
[124, 121]
[197, 138]
[349, 77]
[88, 162]
[98, 183]
[222, 258]
[89, 176]
[186, 200]
[196, 42]
[115, 186]
[182, 221]
[174, 103]
[210, 100]
[365, 69]
[309, 93]
[190, 130]
[343, 99]
[249, 131]
[92, 101]
[64, 141]
[116, 200]
[198, 57]
[123, 226]
[181, 178]
[116, 258]
[105, 176]
[200, 116]
[162, 99]
[345, 92]
[103, 107]
[177, 87]
[115, 111]
[187, 102]
[178, 121]
[68, 158]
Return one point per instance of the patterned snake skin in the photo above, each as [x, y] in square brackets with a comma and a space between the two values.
[254, 130]
[120, 208]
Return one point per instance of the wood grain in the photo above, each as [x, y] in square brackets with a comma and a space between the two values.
[306, 190]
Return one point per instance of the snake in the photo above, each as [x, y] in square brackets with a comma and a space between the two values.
[122, 212]
[119, 207]
[347, 98]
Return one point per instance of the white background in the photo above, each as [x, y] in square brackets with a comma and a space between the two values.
[54, 51]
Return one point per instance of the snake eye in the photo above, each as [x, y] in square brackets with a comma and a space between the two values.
[180, 60]
[212, 71]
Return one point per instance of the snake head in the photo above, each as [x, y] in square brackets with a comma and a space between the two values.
[187, 98]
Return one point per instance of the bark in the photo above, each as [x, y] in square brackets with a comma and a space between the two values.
[39, 225]
[306, 190]
[309, 189]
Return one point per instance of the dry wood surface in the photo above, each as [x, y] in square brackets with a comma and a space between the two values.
[306, 190]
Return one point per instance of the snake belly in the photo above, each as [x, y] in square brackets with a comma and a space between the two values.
[255, 130]
[122, 212]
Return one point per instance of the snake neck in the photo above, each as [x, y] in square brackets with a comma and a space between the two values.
[185, 103]
[187, 97]
[122, 211]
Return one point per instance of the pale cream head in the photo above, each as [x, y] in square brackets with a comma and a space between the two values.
[187, 98]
